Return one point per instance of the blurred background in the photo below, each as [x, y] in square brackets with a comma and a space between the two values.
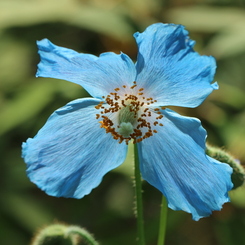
[96, 26]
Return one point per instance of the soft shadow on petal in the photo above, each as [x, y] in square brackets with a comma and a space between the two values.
[71, 153]
[98, 75]
[174, 161]
[168, 68]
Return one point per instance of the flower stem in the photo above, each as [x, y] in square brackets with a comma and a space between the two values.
[138, 191]
[163, 221]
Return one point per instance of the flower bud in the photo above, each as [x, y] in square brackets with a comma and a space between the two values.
[238, 175]
[63, 235]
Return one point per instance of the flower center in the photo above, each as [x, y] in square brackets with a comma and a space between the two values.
[128, 115]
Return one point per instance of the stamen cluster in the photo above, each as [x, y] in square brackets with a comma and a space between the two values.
[129, 105]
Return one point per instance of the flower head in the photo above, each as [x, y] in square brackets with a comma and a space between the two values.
[88, 137]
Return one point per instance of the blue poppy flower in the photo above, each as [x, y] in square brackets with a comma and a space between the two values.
[88, 137]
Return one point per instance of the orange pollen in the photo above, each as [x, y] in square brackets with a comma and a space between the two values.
[129, 116]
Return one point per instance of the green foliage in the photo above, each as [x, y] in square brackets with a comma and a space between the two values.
[95, 26]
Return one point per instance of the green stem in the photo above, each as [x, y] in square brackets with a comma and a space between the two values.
[138, 191]
[163, 221]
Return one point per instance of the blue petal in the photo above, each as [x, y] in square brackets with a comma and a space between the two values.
[168, 68]
[71, 153]
[174, 161]
[98, 75]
